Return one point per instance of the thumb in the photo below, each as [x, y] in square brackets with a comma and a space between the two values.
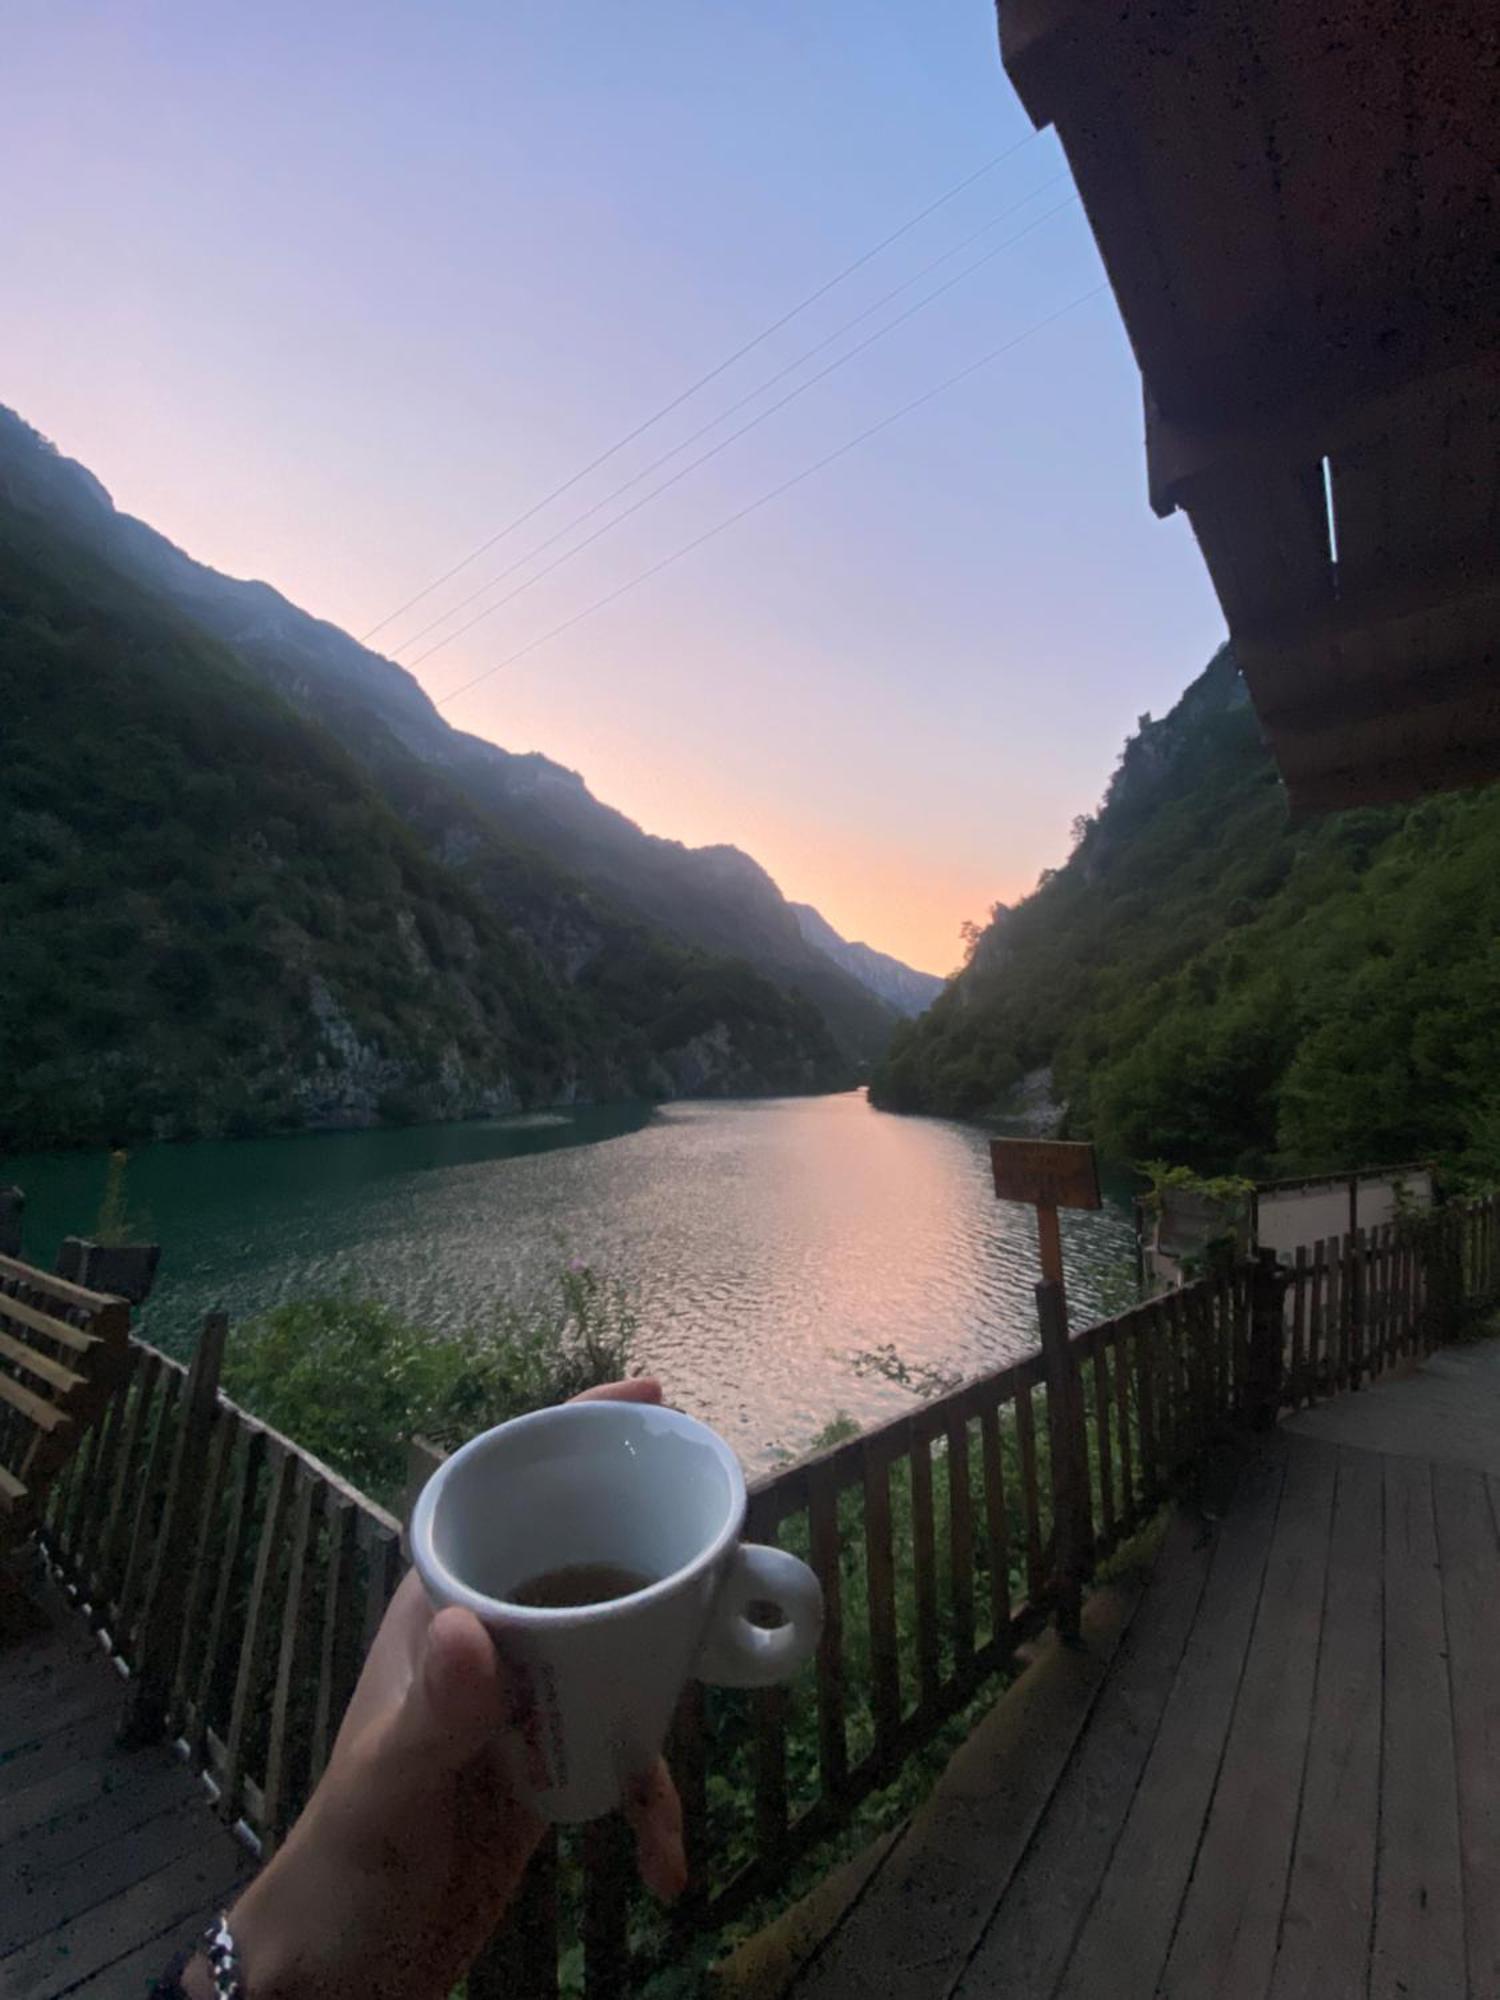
[454, 1704]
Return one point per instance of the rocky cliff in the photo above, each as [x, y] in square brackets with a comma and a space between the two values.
[215, 920]
[453, 788]
[898, 985]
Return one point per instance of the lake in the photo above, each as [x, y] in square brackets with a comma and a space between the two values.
[767, 1243]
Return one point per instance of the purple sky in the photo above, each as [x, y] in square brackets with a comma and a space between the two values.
[329, 294]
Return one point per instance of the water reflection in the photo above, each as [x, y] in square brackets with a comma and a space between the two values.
[768, 1243]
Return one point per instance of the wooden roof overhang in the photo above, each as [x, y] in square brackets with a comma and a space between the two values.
[1298, 205]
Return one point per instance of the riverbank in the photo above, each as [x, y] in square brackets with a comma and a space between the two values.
[766, 1243]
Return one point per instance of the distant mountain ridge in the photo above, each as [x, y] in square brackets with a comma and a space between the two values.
[223, 913]
[901, 986]
[715, 898]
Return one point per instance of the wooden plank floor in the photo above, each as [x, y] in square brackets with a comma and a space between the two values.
[1288, 1781]
[109, 1859]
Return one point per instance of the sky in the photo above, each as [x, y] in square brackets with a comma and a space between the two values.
[333, 294]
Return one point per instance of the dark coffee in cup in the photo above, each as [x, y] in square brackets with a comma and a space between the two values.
[577, 1583]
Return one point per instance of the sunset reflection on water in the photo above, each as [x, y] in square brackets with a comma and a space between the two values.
[767, 1243]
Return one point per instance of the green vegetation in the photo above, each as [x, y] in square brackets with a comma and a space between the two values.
[352, 1381]
[1209, 983]
[576, 880]
[119, 1220]
[1224, 1213]
[214, 924]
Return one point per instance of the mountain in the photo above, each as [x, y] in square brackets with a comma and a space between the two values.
[1204, 982]
[214, 921]
[899, 986]
[442, 781]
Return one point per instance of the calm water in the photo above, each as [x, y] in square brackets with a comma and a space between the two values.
[767, 1243]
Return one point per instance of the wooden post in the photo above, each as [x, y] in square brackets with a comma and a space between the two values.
[1357, 1306]
[1449, 1279]
[1049, 1241]
[880, 1599]
[1049, 1174]
[769, 1705]
[521, 1958]
[1263, 1386]
[188, 1491]
[833, 1744]
[1062, 1429]
[607, 1874]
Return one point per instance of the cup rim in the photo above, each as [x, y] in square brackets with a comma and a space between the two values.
[442, 1584]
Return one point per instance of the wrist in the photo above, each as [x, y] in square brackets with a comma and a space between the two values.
[264, 1948]
[196, 1980]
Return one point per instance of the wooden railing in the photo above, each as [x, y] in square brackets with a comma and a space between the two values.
[240, 1580]
[236, 1578]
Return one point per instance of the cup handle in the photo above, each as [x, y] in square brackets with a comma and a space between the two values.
[739, 1654]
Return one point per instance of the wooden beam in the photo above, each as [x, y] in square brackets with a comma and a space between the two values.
[1293, 205]
[42, 1366]
[1044, 44]
[1263, 530]
[1300, 430]
[19, 1313]
[1343, 789]
[1326, 654]
[46, 1416]
[58, 1288]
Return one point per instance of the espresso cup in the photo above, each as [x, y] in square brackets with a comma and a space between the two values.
[626, 1486]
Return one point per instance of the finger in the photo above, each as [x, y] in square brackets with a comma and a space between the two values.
[393, 1658]
[455, 1703]
[655, 1814]
[639, 1389]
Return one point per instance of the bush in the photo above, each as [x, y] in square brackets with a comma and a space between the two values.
[353, 1382]
[578, 1332]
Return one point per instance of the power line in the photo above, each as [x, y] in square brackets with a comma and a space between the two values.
[775, 493]
[724, 443]
[704, 380]
[733, 409]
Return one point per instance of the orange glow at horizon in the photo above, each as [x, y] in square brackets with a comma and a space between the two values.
[902, 886]
[371, 284]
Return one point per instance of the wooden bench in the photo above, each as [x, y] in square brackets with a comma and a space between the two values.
[62, 1350]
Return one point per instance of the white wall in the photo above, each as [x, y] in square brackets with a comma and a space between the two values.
[1288, 1217]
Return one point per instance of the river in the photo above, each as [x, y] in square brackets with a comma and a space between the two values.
[767, 1243]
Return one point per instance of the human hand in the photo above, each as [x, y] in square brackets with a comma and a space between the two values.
[413, 1844]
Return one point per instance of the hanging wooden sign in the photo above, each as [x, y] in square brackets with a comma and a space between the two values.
[1049, 1173]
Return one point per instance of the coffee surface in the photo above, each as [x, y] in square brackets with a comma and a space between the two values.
[574, 1584]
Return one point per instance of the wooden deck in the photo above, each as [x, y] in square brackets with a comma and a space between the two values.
[109, 1859]
[1274, 1770]
[1275, 1773]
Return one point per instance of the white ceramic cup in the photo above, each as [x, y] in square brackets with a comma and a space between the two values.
[594, 1686]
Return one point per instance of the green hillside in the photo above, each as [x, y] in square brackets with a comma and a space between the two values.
[1208, 983]
[211, 921]
[456, 791]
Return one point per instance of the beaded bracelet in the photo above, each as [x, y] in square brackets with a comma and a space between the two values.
[218, 1948]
